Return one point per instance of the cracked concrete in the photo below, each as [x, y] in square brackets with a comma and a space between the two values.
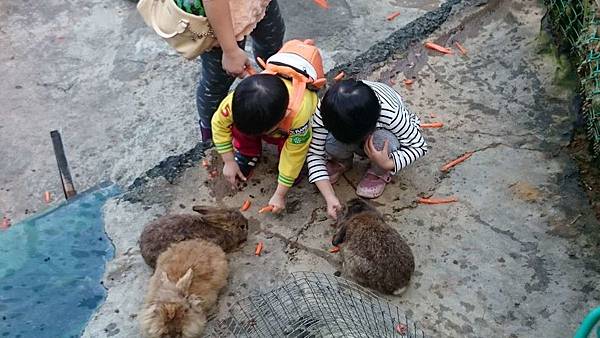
[517, 256]
[121, 97]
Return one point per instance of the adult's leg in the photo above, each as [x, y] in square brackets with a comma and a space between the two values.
[267, 37]
[213, 86]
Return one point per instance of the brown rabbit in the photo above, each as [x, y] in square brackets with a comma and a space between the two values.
[227, 228]
[183, 289]
[373, 253]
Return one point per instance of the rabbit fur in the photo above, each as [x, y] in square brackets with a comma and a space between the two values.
[227, 228]
[183, 289]
[372, 253]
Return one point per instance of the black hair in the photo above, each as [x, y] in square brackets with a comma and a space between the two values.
[259, 103]
[350, 110]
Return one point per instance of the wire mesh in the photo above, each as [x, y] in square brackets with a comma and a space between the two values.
[311, 305]
[576, 22]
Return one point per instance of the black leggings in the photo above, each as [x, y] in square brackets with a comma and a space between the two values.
[214, 82]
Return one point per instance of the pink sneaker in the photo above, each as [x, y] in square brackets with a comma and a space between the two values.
[372, 185]
[335, 169]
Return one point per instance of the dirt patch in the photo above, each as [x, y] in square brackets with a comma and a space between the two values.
[588, 168]
[526, 191]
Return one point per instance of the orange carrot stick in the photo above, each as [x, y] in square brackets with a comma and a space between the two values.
[47, 197]
[401, 329]
[259, 248]
[322, 3]
[246, 205]
[250, 70]
[437, 200]
[453, 163]
[5, 223]
[334, 249]
[408, 82]
[462, 49]
[267, 208]
[392, 16]
[436, 47]
[339, 77]
[432, 125]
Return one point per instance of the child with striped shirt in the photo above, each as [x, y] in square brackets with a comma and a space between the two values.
[368, 119]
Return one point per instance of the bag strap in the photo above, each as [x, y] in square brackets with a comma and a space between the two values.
[183, 24]
[299, 83]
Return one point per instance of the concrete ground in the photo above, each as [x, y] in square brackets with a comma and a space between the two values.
[122, 99]
[517, 256]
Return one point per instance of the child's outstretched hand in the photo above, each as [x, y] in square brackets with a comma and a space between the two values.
[231, 171]
[333, 207]
[380, 157]
[277, 202]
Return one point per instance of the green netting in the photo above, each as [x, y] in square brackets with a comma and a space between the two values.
[577, 23]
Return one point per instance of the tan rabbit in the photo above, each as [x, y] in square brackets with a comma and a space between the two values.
[183, 289]
[227, 228]
[373, 253]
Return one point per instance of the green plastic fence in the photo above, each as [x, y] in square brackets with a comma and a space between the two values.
[577, 23]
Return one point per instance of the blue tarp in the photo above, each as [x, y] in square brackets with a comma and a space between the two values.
[51, 266]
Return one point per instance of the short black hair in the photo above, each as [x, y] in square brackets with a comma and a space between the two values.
[350, 110]
[259, 103]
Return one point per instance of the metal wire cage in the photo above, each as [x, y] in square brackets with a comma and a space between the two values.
[311, 305]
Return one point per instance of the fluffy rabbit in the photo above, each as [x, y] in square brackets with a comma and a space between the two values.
[227, 228]
[183, 289]
[373, 253]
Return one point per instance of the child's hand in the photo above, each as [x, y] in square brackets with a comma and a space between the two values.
[278, 203]
[380, 157]
[232, 171]
[333, 207]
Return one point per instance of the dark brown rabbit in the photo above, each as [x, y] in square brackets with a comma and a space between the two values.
[373, 253]
[227, 228]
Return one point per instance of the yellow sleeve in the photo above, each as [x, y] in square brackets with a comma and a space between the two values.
[221, 124]
[296, 146]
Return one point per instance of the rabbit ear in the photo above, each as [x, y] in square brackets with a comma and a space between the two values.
[184, 282]
[203, 209]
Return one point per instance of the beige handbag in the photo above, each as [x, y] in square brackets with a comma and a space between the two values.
[189, 34]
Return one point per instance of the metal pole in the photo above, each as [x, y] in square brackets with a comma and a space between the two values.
[63, 165]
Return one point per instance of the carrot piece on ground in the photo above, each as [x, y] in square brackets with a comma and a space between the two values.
[436, 47]
[268, 208]
[259, 248]
[437, 200]
[5, 223]
[432, 125]
[462, 49]
[246, 205]
[392, 16]
[401, 329]
[322, 3]
[47, 197]
[408, 82]
[453, 163]
[334, 249]
[339, 77]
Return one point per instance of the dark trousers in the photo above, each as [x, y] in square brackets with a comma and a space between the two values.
[214, 83]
